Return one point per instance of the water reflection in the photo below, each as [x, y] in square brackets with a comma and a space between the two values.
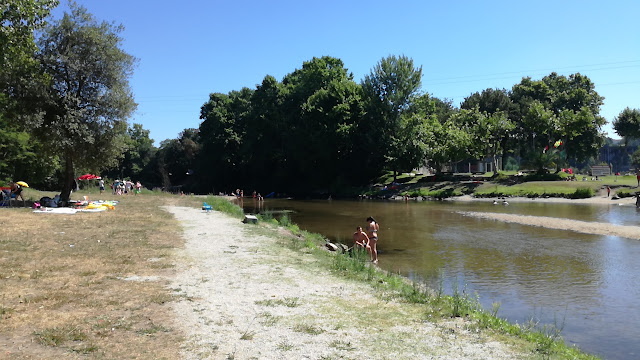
[585, 283]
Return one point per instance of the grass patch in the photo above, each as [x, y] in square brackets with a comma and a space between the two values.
[308, 329]
[568, 189]
[73, 268]
[288, 302]
[59, 335]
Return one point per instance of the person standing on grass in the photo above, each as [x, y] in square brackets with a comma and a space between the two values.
[138, 187]
[608, 191]
[101, 185]
[372, 233]
[361, 240]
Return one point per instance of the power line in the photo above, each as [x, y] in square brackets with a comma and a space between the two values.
[498, 76]
[538, 70]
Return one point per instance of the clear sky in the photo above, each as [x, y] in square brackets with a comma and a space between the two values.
[192, 48]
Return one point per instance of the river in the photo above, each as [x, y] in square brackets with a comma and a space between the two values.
[586, 285]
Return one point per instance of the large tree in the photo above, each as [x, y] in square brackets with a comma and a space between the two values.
[19, 78]
[88, 104]
[559, 108]
[325, 114]
[389, 89]
[223, 133]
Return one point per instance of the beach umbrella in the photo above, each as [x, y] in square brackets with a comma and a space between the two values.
[22, 183]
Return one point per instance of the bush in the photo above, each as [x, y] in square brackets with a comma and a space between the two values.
[511, 164]
[624, 193]
[582, 193]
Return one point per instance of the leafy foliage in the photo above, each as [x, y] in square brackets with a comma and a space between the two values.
[389, 90]
[19, 80]
[627, 124]
[89, 99]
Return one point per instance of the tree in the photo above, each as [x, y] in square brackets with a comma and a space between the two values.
[326, 108]
[175, 160]
[559, 108]
[222, 134]
[89, 101]
[19, 76]
[489, 101]
[490, 132]
[136, 157]
[627, 124]
[635, 158]
[389, 88]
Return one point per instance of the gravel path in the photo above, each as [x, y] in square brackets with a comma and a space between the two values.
[246, 296]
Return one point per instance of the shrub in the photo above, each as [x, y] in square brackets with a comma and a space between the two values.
[582, 193]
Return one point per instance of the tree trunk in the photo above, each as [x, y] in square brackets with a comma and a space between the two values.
[68, 178]
[494, 159]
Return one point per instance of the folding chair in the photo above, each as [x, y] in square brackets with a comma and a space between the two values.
[6, 197]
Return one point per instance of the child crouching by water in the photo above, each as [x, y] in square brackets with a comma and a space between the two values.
[361, 240]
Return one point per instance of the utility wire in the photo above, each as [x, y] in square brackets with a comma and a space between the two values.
[535, 71]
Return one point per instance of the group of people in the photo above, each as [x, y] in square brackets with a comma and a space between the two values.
[368, 239]
[125, 187]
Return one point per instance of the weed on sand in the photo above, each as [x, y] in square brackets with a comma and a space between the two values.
[89, 283]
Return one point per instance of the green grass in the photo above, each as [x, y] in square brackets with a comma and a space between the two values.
[505, 184]
[540, 189]
[222, 204]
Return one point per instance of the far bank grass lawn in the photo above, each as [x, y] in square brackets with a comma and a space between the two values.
[621, 185]
[555, 188]
[68, 281]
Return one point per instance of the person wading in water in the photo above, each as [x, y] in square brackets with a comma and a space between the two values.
[372, 232]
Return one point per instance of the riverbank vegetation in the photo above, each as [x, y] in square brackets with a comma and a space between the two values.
[439, 304]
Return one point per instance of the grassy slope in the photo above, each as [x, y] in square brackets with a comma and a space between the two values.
[482, 186]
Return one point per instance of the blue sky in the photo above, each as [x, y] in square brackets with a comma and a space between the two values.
[192, 48]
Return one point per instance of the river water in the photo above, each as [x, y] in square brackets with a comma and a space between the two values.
[586, 285]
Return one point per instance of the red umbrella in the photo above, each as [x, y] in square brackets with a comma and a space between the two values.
[88, 177]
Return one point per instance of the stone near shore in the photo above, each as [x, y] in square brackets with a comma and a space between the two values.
[250, 219]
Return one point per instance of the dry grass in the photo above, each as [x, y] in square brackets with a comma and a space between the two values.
[73, 285]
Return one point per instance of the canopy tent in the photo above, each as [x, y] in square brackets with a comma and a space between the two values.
[88, 177]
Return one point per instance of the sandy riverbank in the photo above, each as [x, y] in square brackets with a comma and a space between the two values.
[245, 295]
[596, 228]
[598, 199]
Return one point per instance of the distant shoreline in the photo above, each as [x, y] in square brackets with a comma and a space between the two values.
[598, 199]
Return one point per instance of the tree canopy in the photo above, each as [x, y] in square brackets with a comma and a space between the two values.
[627, 124]
[19, 79]
[89, 101]
[66, 101]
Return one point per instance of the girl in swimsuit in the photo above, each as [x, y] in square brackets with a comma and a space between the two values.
[372, 232]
